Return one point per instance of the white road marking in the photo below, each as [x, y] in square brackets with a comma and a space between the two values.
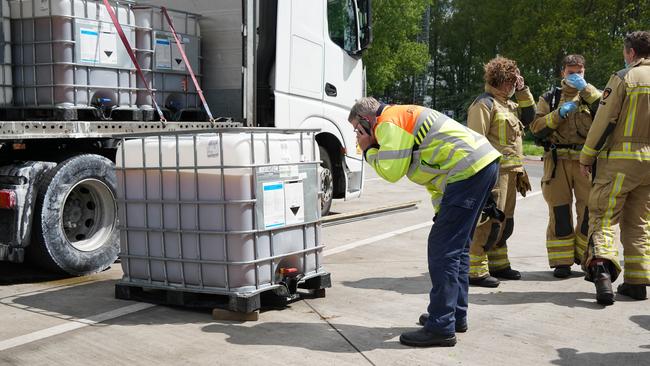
[72, 325]
[390, 234]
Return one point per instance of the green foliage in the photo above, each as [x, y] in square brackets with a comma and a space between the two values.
[395, 53]
[465, 34]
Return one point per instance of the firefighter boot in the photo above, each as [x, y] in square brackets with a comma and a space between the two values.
[603, 281]
[487, 281]
[637, 292]
[506, 273]
[426, 338]
[461, 327]
[562, 271]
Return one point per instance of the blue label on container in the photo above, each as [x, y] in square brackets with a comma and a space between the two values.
[162, 41]
[89, 32]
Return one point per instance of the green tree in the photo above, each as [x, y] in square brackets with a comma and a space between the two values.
[395, 53]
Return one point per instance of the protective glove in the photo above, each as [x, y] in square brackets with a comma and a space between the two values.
[576, 81]
[567, 107]
[523, 183]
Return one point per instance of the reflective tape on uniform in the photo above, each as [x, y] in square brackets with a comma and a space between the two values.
[631, 115]
[637, 259]
[608, 233]
[526, 103]
[588, 151]
[394, 154]
[628, 155]
[501, 119]
[560, 255]
[559, 243]
[643, 275]
[550, 121]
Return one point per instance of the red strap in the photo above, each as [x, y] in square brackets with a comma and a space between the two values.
[187, 63]
[125, 41]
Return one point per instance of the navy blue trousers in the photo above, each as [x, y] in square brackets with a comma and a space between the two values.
[448, 248]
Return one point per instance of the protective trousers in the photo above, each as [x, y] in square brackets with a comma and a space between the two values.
[564, 244]
[448, 248]
[621, 195]
[488, 251]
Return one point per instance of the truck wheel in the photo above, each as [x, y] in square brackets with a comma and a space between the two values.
[326, 182]
[75, 226]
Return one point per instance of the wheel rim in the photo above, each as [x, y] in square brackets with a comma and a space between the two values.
[327, 186]
[88, 216]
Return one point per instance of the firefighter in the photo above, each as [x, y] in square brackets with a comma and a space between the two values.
[564, 115]
[494, 115]
[620, 139]
[459, 168]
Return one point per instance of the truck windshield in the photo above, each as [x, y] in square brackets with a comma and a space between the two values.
[343, 24]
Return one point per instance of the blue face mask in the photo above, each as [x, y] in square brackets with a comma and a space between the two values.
[626, 64]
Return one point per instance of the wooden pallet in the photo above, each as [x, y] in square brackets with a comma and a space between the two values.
[242, 303]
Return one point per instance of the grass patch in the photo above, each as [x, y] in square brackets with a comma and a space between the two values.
[530, 149]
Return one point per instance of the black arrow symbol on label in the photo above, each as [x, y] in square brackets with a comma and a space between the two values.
[108, 53]
[179, 60]
[295, 210]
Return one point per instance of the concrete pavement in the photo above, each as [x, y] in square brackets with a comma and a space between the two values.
[380, 286]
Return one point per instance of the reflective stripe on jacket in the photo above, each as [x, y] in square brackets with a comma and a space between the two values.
[428, 147]
[503, 121]
[621, 126]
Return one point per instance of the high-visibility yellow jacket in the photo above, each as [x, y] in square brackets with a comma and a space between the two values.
[621, 128]
[428, 147]
[502, 121]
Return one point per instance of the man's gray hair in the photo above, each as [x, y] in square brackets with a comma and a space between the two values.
[366, 106]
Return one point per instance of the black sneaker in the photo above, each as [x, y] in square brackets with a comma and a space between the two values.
[425, 338]
[506, 273]
[562, 272]
[637, 292]
[487, 281]
[461, 327]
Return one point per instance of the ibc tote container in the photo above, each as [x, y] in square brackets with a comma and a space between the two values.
[6, 94]
[163, 64]
[219, 213]
[68, 55]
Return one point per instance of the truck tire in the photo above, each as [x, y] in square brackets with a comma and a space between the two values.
[75, 223]
[326, 181]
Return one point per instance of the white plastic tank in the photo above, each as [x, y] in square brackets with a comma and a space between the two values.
[67, 54]
[6, 93]
[164, 67]
[179, 221]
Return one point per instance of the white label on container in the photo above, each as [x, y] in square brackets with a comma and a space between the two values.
[294, 202]
[273, 204]
[89, 39]
[108, 48]
[163, 54]
[213, 148]
[177, 59]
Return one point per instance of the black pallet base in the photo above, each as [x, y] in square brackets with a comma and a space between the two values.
[71, 114]
[272, 298]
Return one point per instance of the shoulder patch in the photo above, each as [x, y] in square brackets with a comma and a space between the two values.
[485, 98]
[606, 93]
[621, 73]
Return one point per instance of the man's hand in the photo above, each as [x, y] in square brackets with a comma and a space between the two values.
[567, 107]
[520, 84]
[363, 139]
[576, 81]
[585, 170]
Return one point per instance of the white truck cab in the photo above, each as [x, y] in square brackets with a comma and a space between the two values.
[289, 64]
